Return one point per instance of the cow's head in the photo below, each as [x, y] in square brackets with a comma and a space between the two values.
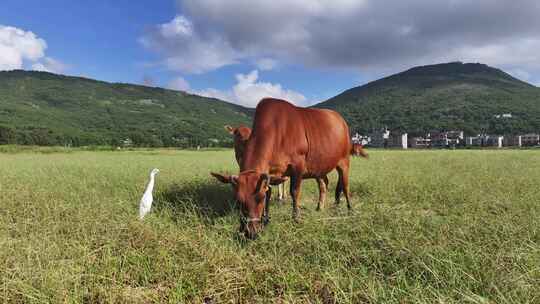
[241, 136]
[250, 190]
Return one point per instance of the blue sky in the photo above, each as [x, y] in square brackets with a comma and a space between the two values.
[303, 50]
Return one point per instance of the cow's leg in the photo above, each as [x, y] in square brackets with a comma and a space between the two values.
[343, 171]
[281, 192]
[285, 190]
[325, 179]
[339, 187]
[323, 183]
[266, 214]
[296, 183]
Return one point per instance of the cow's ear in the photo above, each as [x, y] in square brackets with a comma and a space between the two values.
[264, 183]
[276, 180]
[229, 129]
[226, 179]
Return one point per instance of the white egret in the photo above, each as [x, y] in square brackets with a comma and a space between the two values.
[147, 198]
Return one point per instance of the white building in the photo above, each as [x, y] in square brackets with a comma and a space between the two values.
[385, 139]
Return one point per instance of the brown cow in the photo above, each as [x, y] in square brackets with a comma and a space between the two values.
[241, 135]
[288, 141]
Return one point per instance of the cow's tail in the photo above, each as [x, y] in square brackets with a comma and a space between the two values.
[358, 150]
[363, 153]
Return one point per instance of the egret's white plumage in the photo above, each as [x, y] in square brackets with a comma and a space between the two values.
[147, 198]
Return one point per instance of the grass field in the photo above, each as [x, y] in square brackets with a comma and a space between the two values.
[427, 227]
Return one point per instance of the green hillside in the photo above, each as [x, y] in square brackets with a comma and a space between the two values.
[47, 109]
[443, 96]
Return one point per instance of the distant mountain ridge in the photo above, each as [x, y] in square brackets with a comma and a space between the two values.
[48, 109]
[464, 96]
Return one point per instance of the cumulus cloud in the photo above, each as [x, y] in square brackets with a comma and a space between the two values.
[360, 34]
[17, 46]
[186, 50]
[247, 91]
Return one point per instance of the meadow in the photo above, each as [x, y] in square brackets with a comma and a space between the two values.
[427, 227]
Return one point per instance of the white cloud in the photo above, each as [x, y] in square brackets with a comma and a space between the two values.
[368, 35]
[185, 50]
[249, 92]
[246, 92]
[51, 65]
[18, 46]
[179, 26]
[179, 84]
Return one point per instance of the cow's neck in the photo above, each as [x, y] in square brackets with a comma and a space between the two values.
[257, 155]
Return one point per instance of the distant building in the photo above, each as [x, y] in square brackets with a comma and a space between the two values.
[446, 139]
[472, 141]
[494, 141]
[484, 140]
[525, 140]
[512, 141]
[385, 139]
[420, 142]
[528, 140]
[380, 138]
[399, 140]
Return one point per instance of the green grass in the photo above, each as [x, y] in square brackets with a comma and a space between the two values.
[428, 227]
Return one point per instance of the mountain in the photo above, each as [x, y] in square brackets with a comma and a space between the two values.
[465, 96]
[48, 109]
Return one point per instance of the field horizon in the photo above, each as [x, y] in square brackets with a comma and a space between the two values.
[427, 226]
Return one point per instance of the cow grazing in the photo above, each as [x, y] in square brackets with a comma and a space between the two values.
[358, 150]
[241, 135]
[288, 141]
